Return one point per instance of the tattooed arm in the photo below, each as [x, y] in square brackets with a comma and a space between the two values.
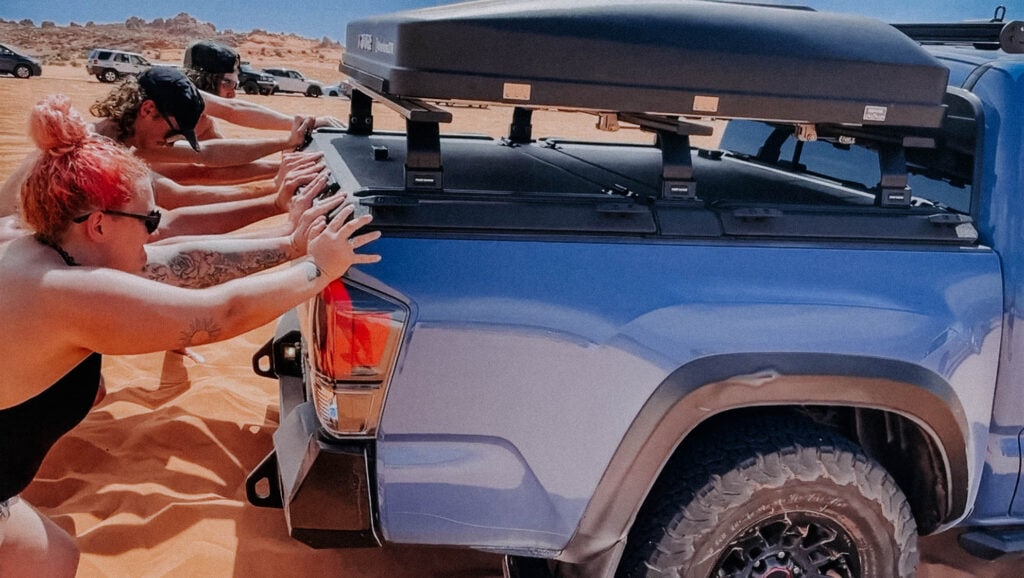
[212, 260]
[207, 262]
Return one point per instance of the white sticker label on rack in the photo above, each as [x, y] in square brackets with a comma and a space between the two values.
[705, 104]
[875, 113]
[513, 91]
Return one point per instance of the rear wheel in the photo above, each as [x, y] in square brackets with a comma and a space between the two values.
[108, 75]
[22, 71]
[250, 87]
[773, 497]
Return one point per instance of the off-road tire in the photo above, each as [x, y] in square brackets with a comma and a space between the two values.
[250, 87]
[314, 91]
[22, 71]
[760, 495]
[108, 75]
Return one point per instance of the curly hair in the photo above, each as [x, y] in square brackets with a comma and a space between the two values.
[205, 81]
[78, 171]
[122, 106]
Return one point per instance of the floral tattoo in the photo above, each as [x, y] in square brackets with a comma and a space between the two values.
[203, 268]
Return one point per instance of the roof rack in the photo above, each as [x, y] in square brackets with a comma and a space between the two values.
[423, 169]
[991, 35]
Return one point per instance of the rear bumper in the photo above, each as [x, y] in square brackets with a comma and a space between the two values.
[322, 485]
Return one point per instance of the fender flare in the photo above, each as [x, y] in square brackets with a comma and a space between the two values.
[712, 385]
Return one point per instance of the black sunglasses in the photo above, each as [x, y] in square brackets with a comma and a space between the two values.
[151, 221]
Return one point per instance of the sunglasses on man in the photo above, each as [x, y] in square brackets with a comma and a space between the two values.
[174, 135]
[151, 220]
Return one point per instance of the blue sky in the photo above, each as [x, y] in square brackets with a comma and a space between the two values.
[318, 18]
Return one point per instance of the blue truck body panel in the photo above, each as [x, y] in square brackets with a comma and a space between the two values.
[997, 85]
[601, 348]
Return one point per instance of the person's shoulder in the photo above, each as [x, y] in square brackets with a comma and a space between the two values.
[104, 127]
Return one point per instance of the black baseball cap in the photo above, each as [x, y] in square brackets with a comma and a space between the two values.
[174, 96]
[209, 56]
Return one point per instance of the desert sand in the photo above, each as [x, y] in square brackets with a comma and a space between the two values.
[152, 482]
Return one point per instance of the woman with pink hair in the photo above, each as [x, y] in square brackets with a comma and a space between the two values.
[86, 283]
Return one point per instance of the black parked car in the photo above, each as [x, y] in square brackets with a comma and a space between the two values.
[255, 81]
[16, 63]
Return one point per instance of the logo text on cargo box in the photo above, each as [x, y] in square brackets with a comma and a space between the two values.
[369, 43]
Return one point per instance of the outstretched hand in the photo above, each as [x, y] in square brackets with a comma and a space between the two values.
[297, 170]
[305, 210]
[333, 246]
[301, 125]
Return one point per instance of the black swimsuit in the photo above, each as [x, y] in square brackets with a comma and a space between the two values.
[29, 429]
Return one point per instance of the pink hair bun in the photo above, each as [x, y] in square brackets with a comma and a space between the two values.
[55, 126]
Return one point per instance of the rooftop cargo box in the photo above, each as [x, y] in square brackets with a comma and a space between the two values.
[684, 57]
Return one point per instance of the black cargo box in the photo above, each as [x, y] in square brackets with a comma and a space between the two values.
[684, 57]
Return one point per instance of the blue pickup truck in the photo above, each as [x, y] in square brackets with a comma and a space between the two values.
[788, 354]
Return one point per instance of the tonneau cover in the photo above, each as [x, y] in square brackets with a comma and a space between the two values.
[684, 57]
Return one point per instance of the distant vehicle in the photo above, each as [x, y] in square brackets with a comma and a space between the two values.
[14, 62]
[108, 65]
[255, 81]
[289, 80]
[343, 88]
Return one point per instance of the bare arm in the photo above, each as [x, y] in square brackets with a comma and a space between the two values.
[301, 212]
[207, 262]
[216, 218]
[171, 195]
[297, 170]
[220, 152]
[129, 314]
[194, 174]
[250, 114]
[244, 113]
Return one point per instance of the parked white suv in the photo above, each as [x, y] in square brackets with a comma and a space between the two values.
[108, 65]
[289, 80]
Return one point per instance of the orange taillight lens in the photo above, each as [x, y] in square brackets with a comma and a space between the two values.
[356, 334]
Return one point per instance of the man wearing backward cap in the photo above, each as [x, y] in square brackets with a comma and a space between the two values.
[163, 106]
[213, 67]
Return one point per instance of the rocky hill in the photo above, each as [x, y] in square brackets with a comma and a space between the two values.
[162, 39]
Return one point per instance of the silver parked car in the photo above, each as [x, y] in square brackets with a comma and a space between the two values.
[289, 80]
[108, 65]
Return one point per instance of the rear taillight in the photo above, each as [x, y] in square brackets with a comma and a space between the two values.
[356, 335]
